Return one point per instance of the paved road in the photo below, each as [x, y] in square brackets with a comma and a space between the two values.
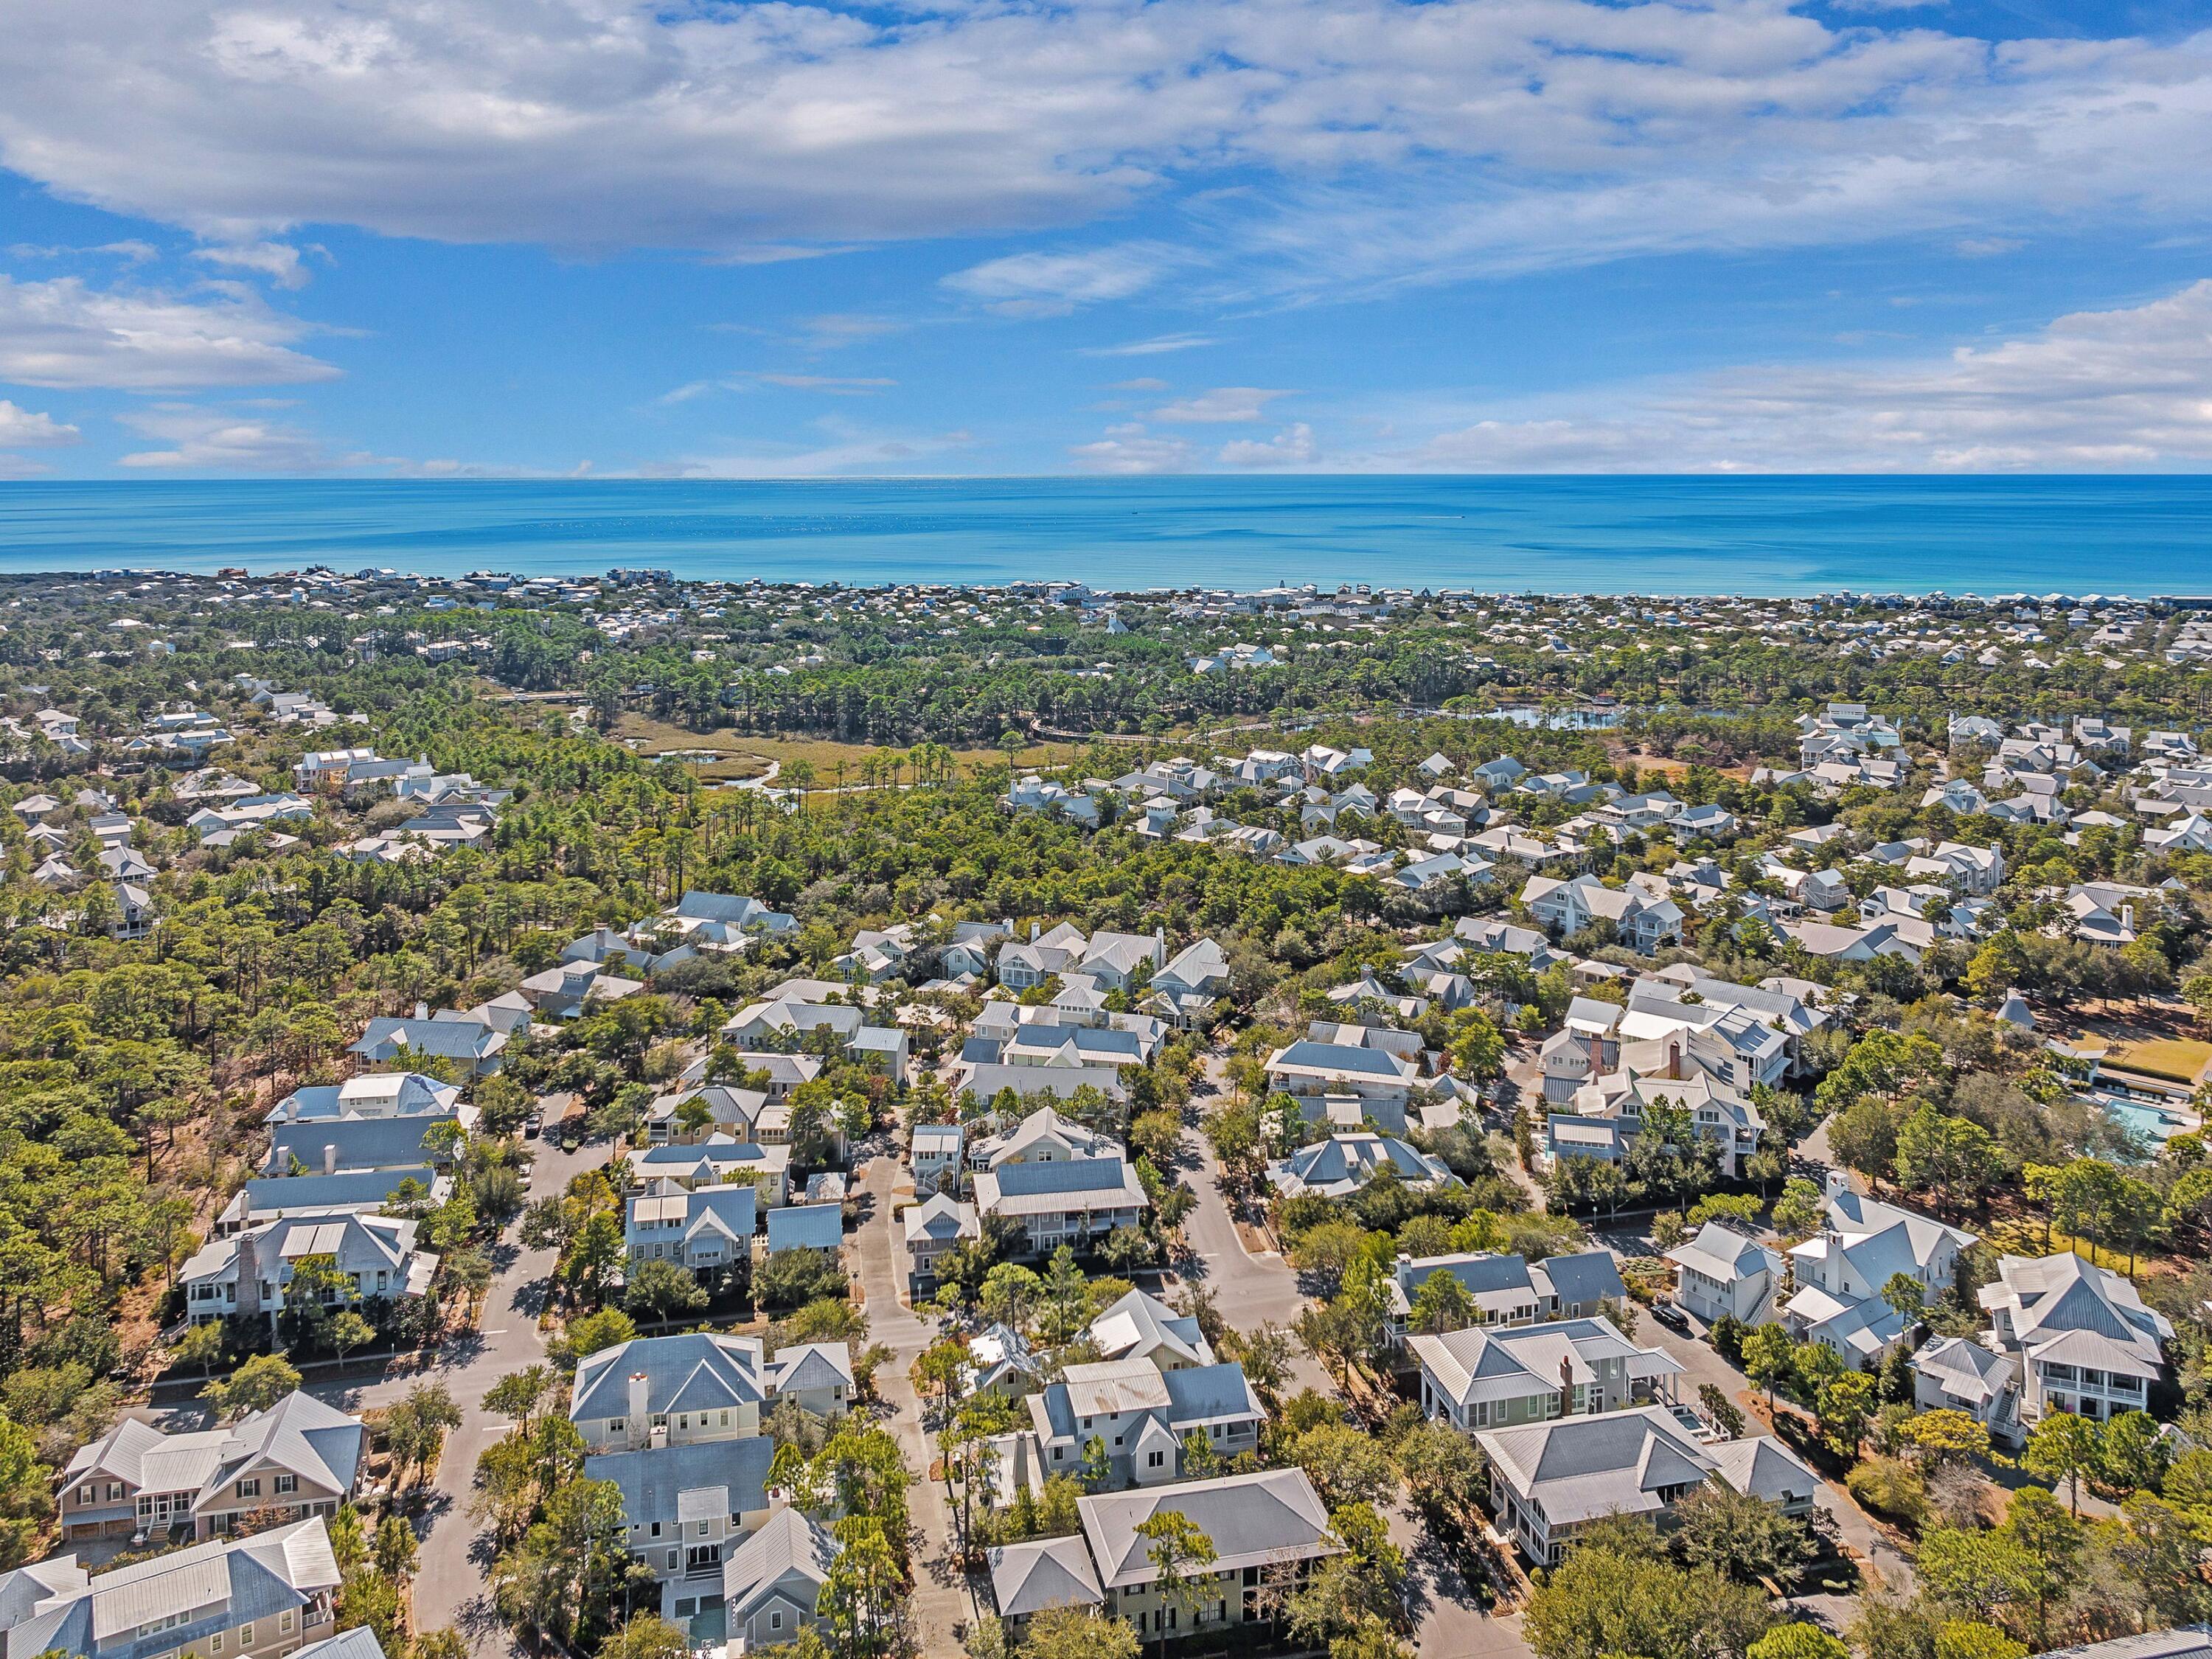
[940, 1599]
[449, 1587]
[1250, 1290]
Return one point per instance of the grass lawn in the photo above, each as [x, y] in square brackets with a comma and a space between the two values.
[746, 756]
[2179, 1060]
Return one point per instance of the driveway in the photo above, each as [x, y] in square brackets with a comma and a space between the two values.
[1703, 1363]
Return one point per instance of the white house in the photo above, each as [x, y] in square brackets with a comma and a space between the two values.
[1720, 1273]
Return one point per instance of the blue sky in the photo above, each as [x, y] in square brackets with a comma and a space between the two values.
[271, 237]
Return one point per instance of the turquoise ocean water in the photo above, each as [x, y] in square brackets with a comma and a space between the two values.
[2139, 536]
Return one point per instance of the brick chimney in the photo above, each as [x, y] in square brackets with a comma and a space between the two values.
[1675, 1059]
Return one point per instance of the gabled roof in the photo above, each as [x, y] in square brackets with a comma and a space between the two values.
[1578, 1468]
[208, 1587]
[811, 1365]
[1140, 1325]
[806, 1227]
[1723, 1253]
[691, 1481]
[1762, 1467]
[788, 1543]
[1045, 1572]
[696, 1370]
[1254, 1520]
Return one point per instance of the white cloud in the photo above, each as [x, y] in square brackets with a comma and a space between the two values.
[1356, 141]
[21, 428]
[1053, 284]
[1293, 447]
[848, 450]
[1142, 383]
[837, 385]
[280, 262]
[63, 333]
[131, 251]
[1156, 346]
[1131, 449]
[1221, 405]
[2092, 391]
[21, 466]
[215, 440]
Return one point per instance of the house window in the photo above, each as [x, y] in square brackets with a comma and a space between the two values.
[776, 1621]
[87, 1494]
[215, 1642]
[245, 1636]
[286, 1482]
[1153, 1460]
[250, 1488]
[285, 1622]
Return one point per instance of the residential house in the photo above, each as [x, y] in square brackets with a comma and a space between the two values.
[268, 1197]
[1480, 1379]
[1841, 1273]
[1345, 1083]
[248, 1273]
[1643, 920]
[817, 1227]
[717, 1161]
[563, 991]
[934, 1151]
[930, 1228]
[817, 1375]
[1075, 1203]
[772, 1583]
[463, 1043]
[1043, 1137]
[2081, 1336]
[1549, 1481]
[1956, 1373]
[741, 1113]
[1508, 1290]
[1268, 1528]
[1139, 1326]
[706, 1230]
[258, 1597]
[1139, 1416]
[298, 1458]
[1719, 1273]
[1184, 992]
[1340, 1165]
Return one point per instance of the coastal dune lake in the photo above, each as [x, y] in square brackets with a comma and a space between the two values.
[2135, 535]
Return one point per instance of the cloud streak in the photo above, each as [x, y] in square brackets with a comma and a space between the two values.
[63, 333]
[2104, 390]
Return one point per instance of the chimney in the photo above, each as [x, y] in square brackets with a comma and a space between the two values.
[421, 1011]
[249, 1273]
[1675, 1059]
[640, 1413]
[330, 1158]
[1036, 931]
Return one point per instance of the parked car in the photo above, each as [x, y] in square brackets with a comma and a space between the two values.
[1667, 1314]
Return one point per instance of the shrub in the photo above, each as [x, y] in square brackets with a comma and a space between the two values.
[1890, 1487]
